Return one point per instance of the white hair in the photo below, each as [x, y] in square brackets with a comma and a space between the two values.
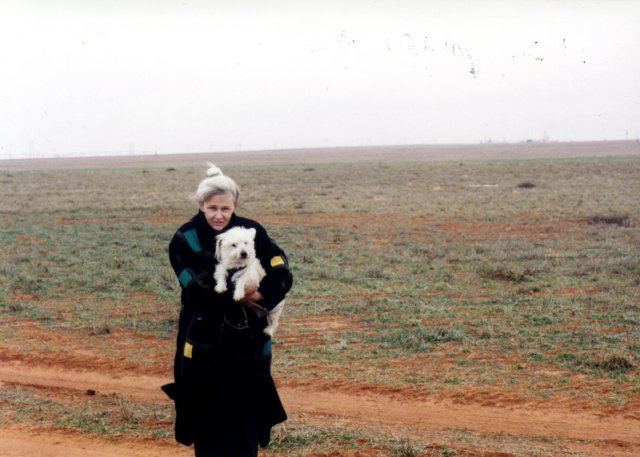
[216, 183]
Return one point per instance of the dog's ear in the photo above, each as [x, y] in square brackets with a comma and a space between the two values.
[252, 231]
[218, 248]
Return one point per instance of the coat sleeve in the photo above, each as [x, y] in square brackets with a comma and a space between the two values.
[278, 281]
[195, 278]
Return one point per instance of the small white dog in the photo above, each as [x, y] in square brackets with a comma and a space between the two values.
[235, 250]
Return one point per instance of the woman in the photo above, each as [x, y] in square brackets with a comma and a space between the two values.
[226, 401]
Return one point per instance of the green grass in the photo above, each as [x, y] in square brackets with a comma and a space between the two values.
[101, 414]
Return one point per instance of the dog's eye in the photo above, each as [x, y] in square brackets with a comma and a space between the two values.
[234, 245]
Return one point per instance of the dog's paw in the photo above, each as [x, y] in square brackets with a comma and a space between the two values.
[237, 296]
[221, 288]
[269, 331]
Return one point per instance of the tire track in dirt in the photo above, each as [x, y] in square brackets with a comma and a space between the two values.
[605, 436]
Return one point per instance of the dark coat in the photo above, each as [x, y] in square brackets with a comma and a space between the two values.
[223, 388]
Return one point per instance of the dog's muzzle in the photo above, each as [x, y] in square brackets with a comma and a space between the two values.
[243, 254]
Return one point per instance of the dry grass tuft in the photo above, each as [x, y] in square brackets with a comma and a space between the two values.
[505, 274]
[622, 220]
[613, 363]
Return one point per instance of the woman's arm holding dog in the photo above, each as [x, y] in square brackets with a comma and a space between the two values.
[192, 272]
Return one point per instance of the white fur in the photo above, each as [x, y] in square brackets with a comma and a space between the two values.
[273, 319]
[235, 249]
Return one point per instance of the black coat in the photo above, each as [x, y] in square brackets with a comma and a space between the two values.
[223, 388]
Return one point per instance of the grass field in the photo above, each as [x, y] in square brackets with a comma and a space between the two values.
[497, 284]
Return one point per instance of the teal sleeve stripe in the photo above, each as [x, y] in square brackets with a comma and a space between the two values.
[185, 278]
[266, 349]
[192, 238]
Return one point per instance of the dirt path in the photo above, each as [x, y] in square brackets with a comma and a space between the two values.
[583, 432]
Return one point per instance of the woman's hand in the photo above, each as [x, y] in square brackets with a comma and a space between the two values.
[251, 299]
[254, 296]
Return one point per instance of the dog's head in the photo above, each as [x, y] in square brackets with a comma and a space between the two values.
[235, 247]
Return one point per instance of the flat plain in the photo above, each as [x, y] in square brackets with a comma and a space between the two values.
[448, 301]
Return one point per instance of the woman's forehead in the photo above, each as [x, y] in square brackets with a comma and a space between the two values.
[224, 199]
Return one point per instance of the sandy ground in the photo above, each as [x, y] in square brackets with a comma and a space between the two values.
[345, 155]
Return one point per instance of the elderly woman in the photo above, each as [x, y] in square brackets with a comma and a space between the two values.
[226, 401]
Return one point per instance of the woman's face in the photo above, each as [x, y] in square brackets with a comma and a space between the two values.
[218, 209]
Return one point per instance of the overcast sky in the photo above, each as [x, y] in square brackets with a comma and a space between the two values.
[90, 77]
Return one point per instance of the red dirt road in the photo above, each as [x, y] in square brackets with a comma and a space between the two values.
[581, 431]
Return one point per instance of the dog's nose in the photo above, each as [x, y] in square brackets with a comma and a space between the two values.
[243, 254]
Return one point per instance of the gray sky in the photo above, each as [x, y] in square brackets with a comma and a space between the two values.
[82, 77]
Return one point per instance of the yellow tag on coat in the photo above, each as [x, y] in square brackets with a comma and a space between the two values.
[277, 260]
[188, 350]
